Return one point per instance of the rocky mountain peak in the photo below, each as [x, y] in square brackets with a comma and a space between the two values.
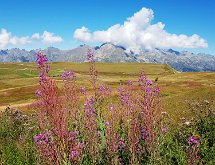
[108, 52]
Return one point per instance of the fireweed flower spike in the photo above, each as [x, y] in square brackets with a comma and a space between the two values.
[73, 154]
[88, 106]
[68, 75]
[150, 105]
[92, 72]
[144, 134]
[141, 78]
[194, 140]
[83, 90]
[121, 144]
[90, 56]
[41, 138]
[43, 66]
[148, 82]
[53, 115]
[194, 152]
[42, 60]
[104, 91]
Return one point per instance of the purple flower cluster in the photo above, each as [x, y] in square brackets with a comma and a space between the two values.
[148, 82]
[112, 108]
[121, 90]
[72, 135]
[152, 90]
[164, 129]
[42, 77]
[88, 106]
[104, 90]
[43, 67]
[157, 90]
[73, 154]
[38, 93]
[124, 97]
[130, 82]
[194, 140]
[144, 134]
[41, 138]
[107, 123]
[90, 56]
[76, 151]
[120, 161]
[68, 75]
[42, 62]
[121, 144]
[148, 90]
[41, 59]
[141, 78]
[83, 90]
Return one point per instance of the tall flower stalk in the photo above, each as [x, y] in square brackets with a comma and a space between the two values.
[194, 152]
[71, 97]
[55, 143]
[150, 104]
[92, 69]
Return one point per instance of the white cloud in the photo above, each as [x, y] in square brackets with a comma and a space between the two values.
[82, 34]
[35, 36]
[20, 40]
[138, 32]
[47, 37]
[6, 38]
[50, 38]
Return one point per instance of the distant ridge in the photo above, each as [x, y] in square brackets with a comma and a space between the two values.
[108, 52]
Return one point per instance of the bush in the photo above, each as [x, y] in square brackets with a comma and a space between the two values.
[16, 144]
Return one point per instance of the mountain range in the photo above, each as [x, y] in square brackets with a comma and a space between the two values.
[182, 61]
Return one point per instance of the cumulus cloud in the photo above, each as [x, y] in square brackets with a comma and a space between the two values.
[138, 33]
[35, 36]
[47, 37]
[6, 38]
[20, 40]
[82, 34]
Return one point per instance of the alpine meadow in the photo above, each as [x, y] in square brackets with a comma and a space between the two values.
[107, 82]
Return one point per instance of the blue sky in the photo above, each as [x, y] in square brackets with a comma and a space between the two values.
[20, 19]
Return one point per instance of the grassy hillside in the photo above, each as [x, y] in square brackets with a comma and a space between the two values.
[18, 82]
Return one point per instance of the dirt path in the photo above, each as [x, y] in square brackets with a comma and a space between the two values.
[2, 108]
[8, 89]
